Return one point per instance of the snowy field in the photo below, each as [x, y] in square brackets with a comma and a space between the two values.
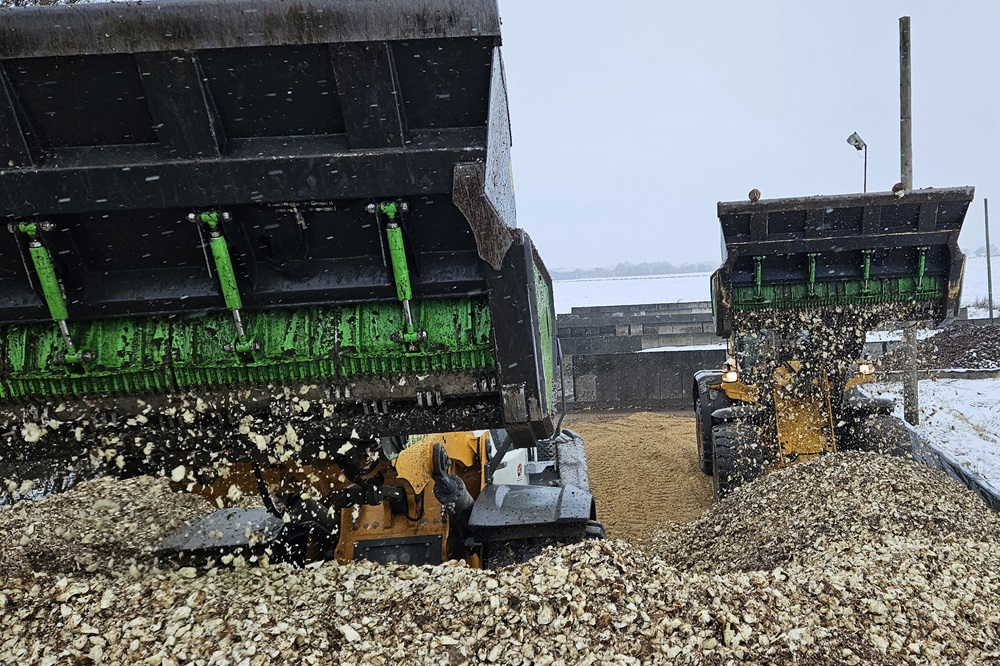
[688, 287]
[974, 285]
[959, 416]
[681, 288]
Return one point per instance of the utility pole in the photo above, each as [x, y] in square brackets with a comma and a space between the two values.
[905, 126]
[989, 264]
[911, 400]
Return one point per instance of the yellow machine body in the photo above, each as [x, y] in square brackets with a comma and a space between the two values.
[803, 426]
[411, 470]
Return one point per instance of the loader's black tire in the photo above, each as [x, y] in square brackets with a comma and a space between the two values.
[876, 433]
[704, 440]
[738, 456]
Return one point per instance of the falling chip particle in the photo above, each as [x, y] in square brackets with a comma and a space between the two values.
[291, 437]
[178, 474]
[32, 432]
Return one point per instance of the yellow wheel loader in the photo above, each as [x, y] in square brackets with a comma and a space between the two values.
[256, 246]
[802, 283]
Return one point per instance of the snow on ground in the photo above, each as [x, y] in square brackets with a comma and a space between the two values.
[885, 336]
[960, 417]
[683, 348]
[974, 283]
[984, 313]
[897, 335]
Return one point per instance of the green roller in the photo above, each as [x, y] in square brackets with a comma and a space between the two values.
[167, 355]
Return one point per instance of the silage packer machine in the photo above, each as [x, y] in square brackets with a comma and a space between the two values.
[260, 246]
[802, 283]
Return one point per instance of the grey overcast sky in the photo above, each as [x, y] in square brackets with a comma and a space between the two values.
[632, 119]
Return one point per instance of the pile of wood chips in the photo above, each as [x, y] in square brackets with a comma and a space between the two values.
[851, 559]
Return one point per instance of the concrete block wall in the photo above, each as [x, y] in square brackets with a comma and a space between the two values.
[604, 371]
[650, 380]
[619, 329]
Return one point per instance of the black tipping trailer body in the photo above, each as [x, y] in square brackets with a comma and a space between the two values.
[858, 251]
[204, 195]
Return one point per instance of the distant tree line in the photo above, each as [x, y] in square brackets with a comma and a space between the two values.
[629, 269]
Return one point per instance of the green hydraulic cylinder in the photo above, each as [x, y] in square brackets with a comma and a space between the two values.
[866, 284]
[400, 272]
[400, 268]
[224, 268]
[812, 273]
[46, 271]
[921, 266]
[51, 289]
[757, 277]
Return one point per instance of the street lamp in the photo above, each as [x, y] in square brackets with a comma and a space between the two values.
[859, 144]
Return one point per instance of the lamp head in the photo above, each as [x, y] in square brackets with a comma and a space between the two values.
[856, 141]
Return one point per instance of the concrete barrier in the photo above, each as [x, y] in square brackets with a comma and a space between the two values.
[619, 329]
[652, 380]
[937, 458]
